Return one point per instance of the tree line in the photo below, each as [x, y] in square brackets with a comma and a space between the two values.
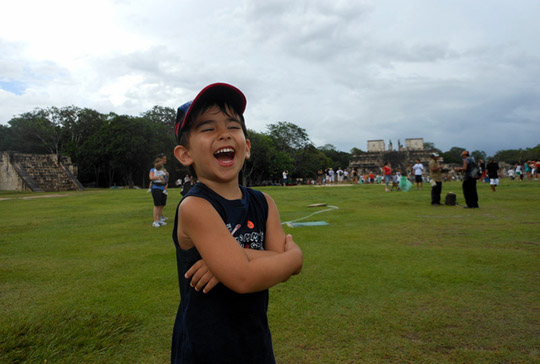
[111, 149]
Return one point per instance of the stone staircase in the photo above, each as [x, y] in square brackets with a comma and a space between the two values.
[44, 173]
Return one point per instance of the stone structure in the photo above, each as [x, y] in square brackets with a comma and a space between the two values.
[375, 145]
[414, 144]
[37, 172]
[403, 157]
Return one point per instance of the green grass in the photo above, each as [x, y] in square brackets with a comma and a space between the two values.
[85, 278]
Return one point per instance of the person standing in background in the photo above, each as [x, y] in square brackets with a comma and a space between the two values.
[418, 170]
[387, 171]
[435, 173]
[493, 171]
[469, 181]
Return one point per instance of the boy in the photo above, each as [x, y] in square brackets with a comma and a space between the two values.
[230, 244]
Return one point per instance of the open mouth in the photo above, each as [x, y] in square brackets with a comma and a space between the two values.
[225, 155]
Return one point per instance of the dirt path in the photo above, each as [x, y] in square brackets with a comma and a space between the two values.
[30, 197]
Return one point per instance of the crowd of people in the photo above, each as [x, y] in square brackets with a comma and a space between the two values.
[528, 170]
[392, 179]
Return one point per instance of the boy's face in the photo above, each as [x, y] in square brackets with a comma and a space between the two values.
[217, 146]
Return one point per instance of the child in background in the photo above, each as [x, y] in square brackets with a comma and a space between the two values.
[395, 181]
[230, 244]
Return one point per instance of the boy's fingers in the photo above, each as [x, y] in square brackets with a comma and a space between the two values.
[202, 280]
[211, 284]
[194, 268]
[198, 276]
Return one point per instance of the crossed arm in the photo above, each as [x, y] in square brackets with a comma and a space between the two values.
[224, 260]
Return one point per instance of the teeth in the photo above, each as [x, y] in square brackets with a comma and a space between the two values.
[225, 150]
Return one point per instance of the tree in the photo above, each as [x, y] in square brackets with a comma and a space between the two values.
[453, 155]
[479, 155]
[289, 136]
[337, 158]
[128, 145]
[431, 146]
[309, 161]
[267, 161]
[161, 115]
[79, 125]
[356, 151]
[5, 137]
[513, 156]
[36, 132]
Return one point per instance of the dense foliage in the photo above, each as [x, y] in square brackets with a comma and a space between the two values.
[111, 149]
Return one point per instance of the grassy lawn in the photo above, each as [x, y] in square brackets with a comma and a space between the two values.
[85, 278]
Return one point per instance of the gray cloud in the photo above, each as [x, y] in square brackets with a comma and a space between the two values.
[346, 71]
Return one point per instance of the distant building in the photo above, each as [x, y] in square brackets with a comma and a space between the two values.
[403, 157]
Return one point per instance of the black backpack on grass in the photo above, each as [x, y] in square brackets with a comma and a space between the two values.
[450, 199]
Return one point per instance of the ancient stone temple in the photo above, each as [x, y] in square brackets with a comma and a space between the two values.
[37, 172]
[401, 157]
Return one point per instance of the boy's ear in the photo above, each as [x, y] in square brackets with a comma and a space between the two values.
[248, 148]
[182, 154]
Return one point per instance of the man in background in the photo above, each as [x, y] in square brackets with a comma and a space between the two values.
[469, 180]
[435, 174]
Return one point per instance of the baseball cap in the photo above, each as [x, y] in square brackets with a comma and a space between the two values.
[434, 154]
[213, 92]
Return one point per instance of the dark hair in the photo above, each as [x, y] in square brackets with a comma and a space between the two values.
[223, 106]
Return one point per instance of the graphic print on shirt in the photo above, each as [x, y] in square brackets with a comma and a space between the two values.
[246, 237]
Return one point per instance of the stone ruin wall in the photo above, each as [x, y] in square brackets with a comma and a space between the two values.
[414, 144]
[9, 178]
[376, 145]
[403, 156]
[37, 172]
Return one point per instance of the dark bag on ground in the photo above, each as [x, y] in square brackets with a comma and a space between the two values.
[450, 199]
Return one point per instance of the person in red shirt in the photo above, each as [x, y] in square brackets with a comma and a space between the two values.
[387, 171]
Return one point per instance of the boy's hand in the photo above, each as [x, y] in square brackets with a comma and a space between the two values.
[201, 277]
[291, 245]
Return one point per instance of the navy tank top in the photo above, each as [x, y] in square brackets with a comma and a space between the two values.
[223, 326]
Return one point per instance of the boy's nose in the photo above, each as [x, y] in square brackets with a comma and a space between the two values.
[224, 135]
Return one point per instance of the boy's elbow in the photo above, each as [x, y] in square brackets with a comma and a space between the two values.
[241, 286]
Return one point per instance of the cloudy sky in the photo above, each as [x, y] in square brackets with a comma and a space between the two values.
[455, 72]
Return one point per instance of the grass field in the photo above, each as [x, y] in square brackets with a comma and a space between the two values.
[85, 278]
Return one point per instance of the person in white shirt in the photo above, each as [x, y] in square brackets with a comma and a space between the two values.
[339, 173]
[331, 175]
[418, 169]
